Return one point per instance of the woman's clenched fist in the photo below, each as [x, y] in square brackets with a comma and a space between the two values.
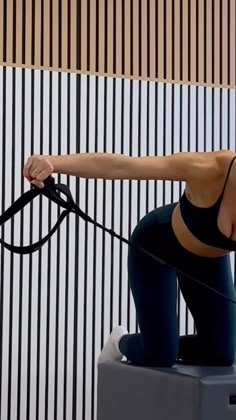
[37, 169]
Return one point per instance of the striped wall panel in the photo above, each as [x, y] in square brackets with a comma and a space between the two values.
[189, 41]
[58, 306]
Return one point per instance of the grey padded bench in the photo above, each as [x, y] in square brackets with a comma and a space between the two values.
[128, 392]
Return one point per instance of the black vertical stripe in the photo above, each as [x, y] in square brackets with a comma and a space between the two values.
[148, 141]
[121, 202]
[105, 37]
[30, 261]
[21, 270]
[164, 39]
[104, 198]
[213, 119]
[164, 138]
[4, 30]
[76, 268]
[140, 38]
[97, 38]
[205, 41]
[40, 254]
[48, 261]
[156, 138]
[67, 257]
[88, 35]
[197, 40]
[58, 263]
[180, 149]
[86, 259]
[130, 192]
[11, 303]
[112, 203]
[220, 119]
[59, 34]
[197, 115]
[23, 30]
[139, 154]
[3, 188]
[78, 44]
[114, 36]
[181, 40]
[94, 257]
[148, 38]
[221, 44]
[33, 34]
[228, 118]
[14, 33]
[172, 132]
[213, 40]
[205, 119]
[131, 38]
[41, 34]
[123, 38]
[51, 35]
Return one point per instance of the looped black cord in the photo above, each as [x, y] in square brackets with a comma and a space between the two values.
[51, 191]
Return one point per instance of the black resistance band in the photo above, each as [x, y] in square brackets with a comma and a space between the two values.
[52, 192]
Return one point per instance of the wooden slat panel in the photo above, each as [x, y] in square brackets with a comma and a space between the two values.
[110, 37]
[127, 37]
[160, 41]
[73, 39]
[232, 43]
[84, 36]
[185, 40]
[193, 72]
[118, 38]
[1, 30]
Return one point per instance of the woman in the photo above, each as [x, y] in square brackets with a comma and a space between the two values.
[194, 235]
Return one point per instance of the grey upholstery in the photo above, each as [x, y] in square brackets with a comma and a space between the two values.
[128, 392]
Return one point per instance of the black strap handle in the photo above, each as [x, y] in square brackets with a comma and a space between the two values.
[51, 191]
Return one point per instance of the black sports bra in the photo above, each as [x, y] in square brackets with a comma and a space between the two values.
[202, 222]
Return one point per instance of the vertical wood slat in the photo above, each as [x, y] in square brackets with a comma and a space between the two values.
[224, 18]
[28, 38]
[201, 30]
[46, 33]
[18, 30]
[193, 75]
[160, 49]
[185, 40]
[209, 41]
[136, 46]
[127, 11]
[55, 14]
[143, 46]
[119, 38]
[64, 26]
[169, 46]
[73, 33]
[102, 35]
[9, 30]
[1, 30]
[110, 6]
[92, 35]
[216, 18]
[232, 51]
[153, 45]
[37, 25]
[177, 39]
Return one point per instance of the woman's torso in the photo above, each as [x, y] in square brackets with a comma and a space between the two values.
[205, 194]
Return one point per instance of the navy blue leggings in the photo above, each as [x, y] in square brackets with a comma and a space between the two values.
[154, 289]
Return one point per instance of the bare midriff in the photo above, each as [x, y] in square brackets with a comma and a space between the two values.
[189, 241]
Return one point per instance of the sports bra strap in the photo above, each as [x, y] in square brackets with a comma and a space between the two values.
[227, 176]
